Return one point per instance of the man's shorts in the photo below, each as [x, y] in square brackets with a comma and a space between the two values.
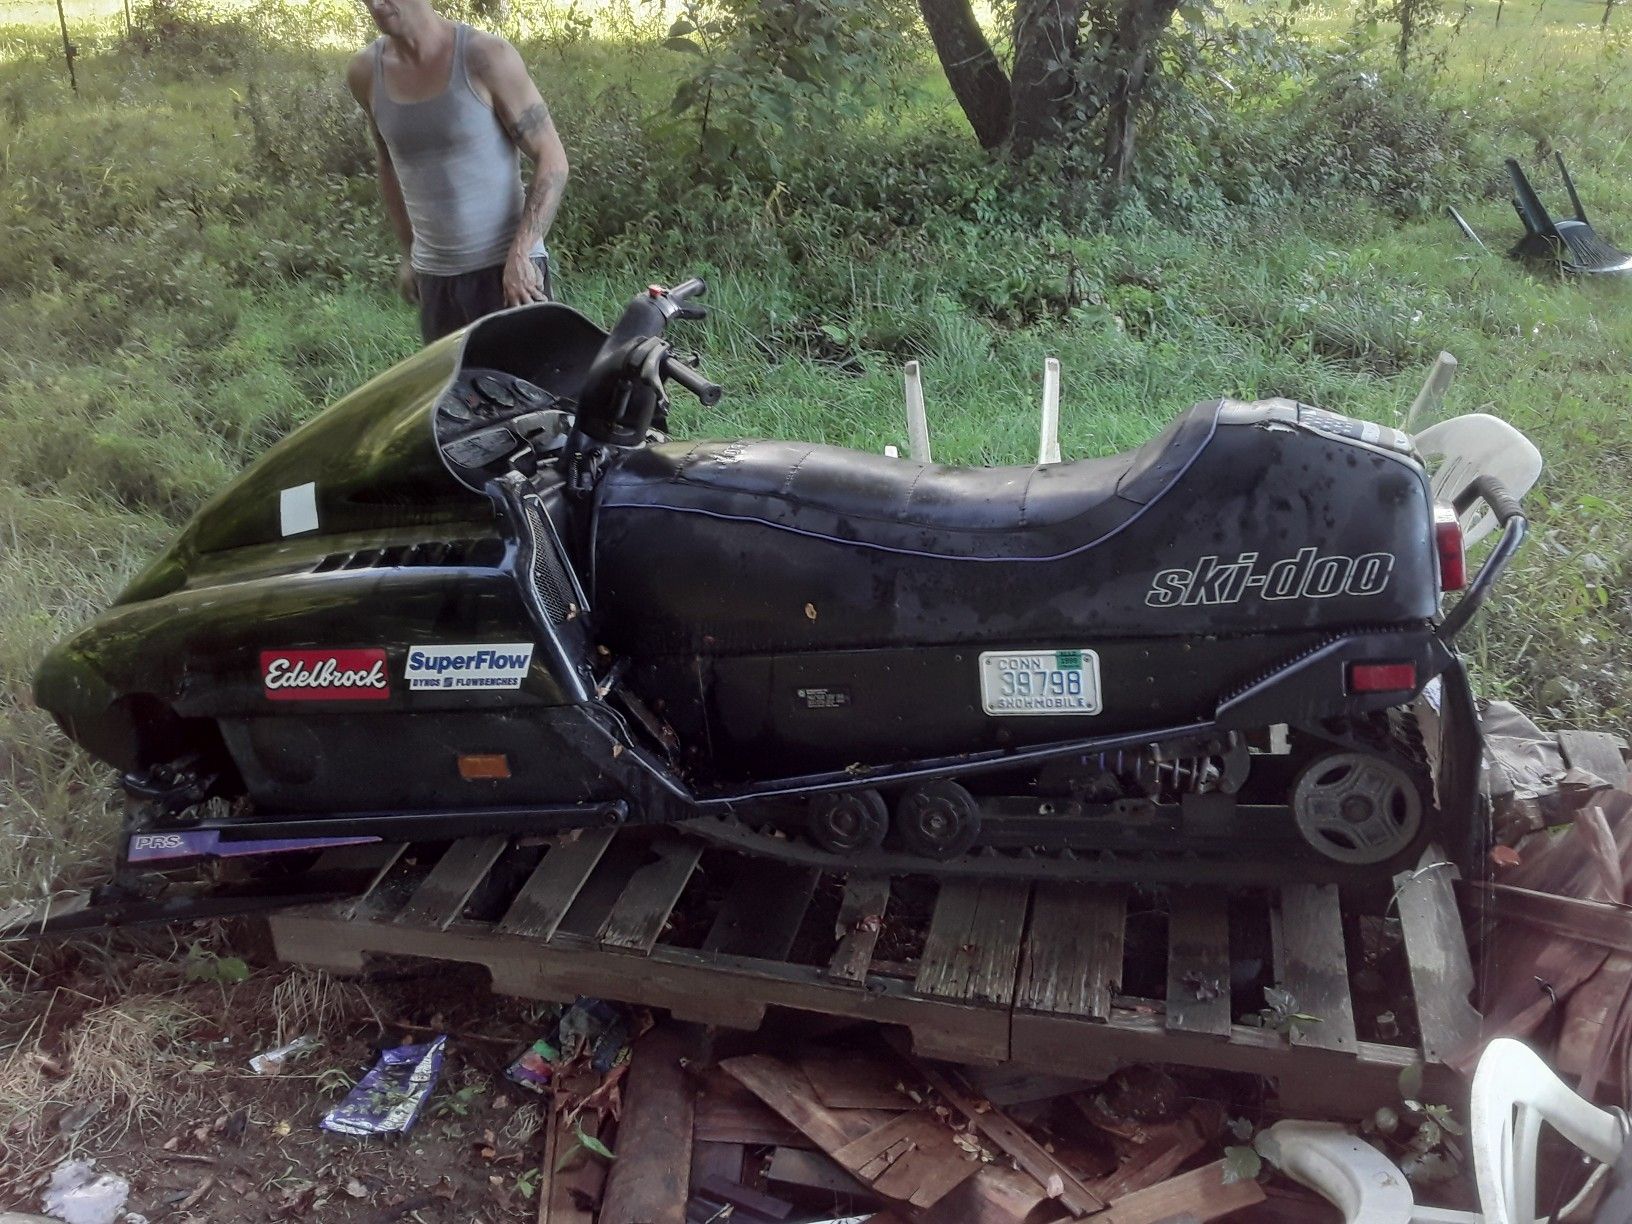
[447, 303]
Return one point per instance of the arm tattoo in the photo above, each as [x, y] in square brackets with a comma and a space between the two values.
[530, 122]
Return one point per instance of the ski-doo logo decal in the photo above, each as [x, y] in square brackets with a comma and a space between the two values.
[325, 675]
[501, 665]
[1212, 580]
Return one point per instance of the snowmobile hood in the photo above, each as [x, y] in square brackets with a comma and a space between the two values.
[370, 460]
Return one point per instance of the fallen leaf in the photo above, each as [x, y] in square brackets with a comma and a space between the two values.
[282, 1128]
[1056, 1185]
[1505, 856]
[356, 1189]
[172, 1143]
[810, 611]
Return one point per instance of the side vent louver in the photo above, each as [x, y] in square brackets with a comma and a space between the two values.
[482, 554]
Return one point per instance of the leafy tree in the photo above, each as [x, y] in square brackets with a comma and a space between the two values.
[1076, 63]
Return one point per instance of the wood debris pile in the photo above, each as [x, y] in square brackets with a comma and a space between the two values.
[839, 1132]
[1551, 930]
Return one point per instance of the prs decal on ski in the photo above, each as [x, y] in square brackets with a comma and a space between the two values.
[1213, 580]
[501, 665]
[1039, 682]
[325, 675]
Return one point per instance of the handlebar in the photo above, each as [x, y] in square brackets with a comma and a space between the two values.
[706, 392]
[1514, 525]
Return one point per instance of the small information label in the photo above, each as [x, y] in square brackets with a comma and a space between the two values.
[499, 666]
[824, 698]
[1039, 682]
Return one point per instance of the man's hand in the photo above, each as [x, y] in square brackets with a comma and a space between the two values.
[407, 283]
[522, 281]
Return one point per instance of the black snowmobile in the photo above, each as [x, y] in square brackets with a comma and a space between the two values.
[481, 595]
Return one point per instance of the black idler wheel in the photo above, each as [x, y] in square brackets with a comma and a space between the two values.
[849, 822]
[939, 820]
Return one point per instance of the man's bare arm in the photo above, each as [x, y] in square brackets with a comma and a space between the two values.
[500, 71]
[535, 135]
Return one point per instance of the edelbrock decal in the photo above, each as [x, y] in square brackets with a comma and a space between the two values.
[325, 675]
[493, 665]
[1213, 580]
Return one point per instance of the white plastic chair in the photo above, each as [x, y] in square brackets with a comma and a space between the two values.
[1474, 445]
[1513, 1093]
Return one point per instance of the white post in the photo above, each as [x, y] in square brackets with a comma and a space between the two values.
[917, 422]
[1433, 390]
[1048, 447]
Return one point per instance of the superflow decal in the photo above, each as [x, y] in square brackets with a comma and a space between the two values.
[501, 665]
[1213, 580]
[325, 675]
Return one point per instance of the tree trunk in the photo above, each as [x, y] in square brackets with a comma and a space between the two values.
[1045, 54]
[1139, 27]
[977, 79]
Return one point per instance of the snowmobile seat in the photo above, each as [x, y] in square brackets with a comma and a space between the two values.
[1573, 244]
[924, 509]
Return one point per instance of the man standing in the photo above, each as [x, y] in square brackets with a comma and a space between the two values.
[450, 108]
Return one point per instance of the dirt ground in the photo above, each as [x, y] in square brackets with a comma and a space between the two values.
[132, 1050]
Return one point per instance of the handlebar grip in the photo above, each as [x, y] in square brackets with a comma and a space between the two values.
[695, 287]
[1495, 495]
[708, 393]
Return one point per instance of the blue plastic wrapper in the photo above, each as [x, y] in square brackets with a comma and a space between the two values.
[390, 1097]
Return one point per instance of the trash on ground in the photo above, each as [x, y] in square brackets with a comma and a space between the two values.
[275, 1061]
[390, 1097]
[79, 1195]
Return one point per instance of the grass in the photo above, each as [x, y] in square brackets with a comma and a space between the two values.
[195, 264]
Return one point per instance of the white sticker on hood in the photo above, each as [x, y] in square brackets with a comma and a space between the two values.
[297, 509]
[500, 665]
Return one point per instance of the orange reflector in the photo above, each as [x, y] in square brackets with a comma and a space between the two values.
[478, 767]
[1382, 677]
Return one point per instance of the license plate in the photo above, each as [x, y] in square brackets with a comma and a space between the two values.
[1039, 682]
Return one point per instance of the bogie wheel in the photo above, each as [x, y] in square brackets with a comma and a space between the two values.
[939, 820]
[849, 822]
[1357, 808]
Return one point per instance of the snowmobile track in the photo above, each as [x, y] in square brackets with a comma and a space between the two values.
[990, 971]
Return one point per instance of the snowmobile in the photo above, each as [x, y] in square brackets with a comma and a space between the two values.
[481, 595]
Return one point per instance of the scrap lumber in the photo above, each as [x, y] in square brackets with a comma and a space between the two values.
[1597, 753]
[1152, 1152]
[726, 1112]
[848, 1082]
[910, 1157]
[1200, 1195]
[570, 1183]
[995, 1195]
[796, 1169]
[1001, 1130]
[648, 1182]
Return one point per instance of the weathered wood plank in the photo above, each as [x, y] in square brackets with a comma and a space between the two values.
[1198, 962]
[1596, 752]
[1073, 954]
[646, 902]
[441, 896]
[861, 916]
[761, 914]
[393, 883]
[555, 884]
[649, 1180]
[570, 1181]
[1437, 949]
[973, 948]
[1000, 1130]
[1198, 1195]
[1313, 966]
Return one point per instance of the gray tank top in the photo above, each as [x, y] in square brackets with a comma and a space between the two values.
[460, 173]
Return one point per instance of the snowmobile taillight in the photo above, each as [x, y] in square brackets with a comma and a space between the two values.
[483, 767]
[1453, 562]
[1382, 677]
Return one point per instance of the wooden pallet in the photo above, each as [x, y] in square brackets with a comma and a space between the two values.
[1029, 975]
